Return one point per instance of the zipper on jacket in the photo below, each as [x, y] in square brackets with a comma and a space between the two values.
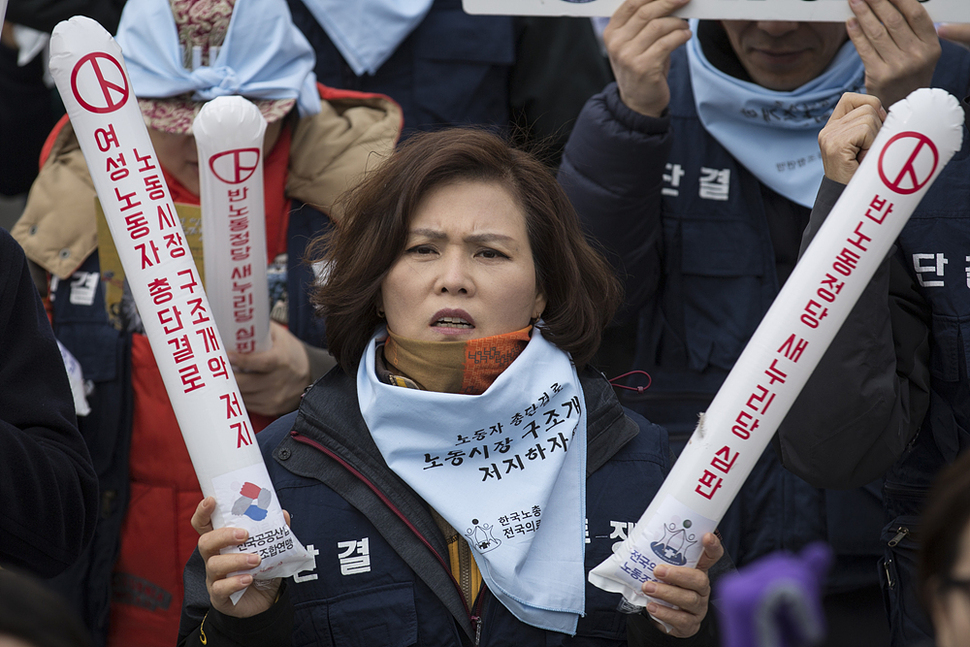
[107, 503]
[464, 556]
[901, 533]
[474, 618]
[910, 493]
[890, 582]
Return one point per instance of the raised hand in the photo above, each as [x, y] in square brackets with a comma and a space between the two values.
[271, 382]
[897, 43]
[639, 40]
[848, 135]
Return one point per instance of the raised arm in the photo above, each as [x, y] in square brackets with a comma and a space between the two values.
[614, 161]
[868, 395]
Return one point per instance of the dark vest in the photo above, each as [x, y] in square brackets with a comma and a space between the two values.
[452, 69]
[380, 574]
[935, 248]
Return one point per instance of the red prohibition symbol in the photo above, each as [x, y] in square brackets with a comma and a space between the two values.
[912, 174]
[109, 90]
[235, 166]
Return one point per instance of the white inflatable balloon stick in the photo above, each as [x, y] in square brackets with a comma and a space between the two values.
[90, 74]
[229, 137]
[920, 135]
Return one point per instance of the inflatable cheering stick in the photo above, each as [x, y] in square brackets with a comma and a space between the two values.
[229, 137]
[920, 135]
[90, 74]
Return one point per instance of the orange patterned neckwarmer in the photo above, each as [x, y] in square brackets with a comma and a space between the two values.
[467, 367]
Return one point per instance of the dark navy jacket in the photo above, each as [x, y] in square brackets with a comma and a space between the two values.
[935, 232]
[700, 274]
[331, 478]
[935, 250]
[452, 69]
[50, 494]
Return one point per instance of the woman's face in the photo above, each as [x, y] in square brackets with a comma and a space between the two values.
[466, 271]
[951, 611]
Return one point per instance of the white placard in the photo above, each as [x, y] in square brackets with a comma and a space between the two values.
[90, 74]
[801, 10]
[229, 138]
[921, 134]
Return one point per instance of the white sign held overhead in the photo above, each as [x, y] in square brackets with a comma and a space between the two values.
[801, 10]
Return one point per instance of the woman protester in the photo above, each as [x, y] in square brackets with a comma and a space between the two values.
[463, 467]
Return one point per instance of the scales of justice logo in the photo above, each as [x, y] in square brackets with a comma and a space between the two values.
[673, 547]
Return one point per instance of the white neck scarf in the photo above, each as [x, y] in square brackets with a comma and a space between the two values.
[496, 467]
[368, 31]
[773, 134]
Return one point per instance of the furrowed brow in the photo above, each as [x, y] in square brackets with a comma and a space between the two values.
[487, 238]
[430, 234]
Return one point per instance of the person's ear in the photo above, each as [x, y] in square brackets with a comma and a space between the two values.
[540, 306]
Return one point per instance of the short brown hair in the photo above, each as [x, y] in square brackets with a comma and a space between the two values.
[581, 291]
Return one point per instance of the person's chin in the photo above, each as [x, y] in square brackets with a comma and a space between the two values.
[779, 72]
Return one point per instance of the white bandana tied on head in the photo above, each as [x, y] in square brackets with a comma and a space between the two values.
[367, 32]
[507, 469]
[264, 56]
[773, 134]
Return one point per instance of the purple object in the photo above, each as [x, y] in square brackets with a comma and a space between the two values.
[775, 601]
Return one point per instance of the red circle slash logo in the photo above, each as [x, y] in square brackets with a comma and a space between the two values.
[105, 88]
[907, 162]
[235, 166]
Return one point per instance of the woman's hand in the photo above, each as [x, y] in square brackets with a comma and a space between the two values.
[689, 589]
[849, 135]
[271, 382]
[218, 567]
